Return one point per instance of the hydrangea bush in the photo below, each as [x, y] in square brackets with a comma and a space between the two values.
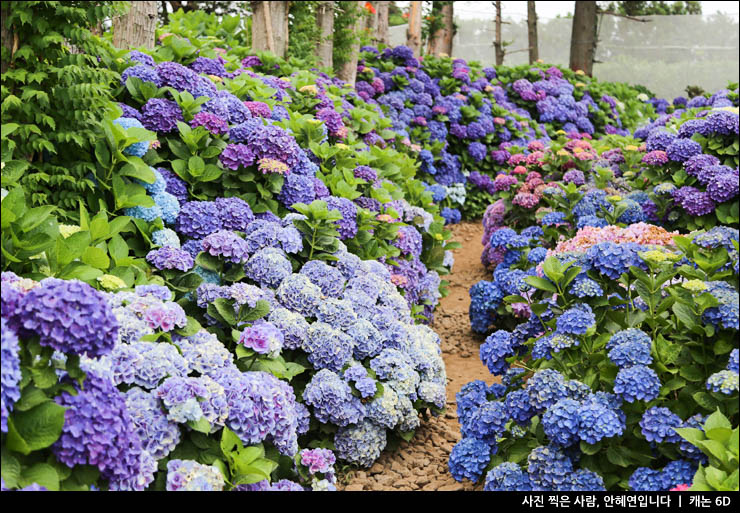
[627, 334]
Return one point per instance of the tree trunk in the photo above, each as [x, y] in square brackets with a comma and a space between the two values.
[262, 39]
[372, 19]
[413, 33]
[279, 13]
[6, 34]
[270, 27]
[441, 41]
[325, 22]
[583, 37]
[348, 71]
[497, 43]
[532, 32]
[381, 36]
[136, 28]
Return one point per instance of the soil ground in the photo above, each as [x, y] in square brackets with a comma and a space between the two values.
[421, 464]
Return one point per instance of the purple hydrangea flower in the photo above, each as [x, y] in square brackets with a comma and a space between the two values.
[160, 115]
[70, 316]
[169, 257]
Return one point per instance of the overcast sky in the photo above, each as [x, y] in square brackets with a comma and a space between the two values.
[547, 10]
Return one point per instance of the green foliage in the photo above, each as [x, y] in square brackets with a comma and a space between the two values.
[719, 442]
[54, 90]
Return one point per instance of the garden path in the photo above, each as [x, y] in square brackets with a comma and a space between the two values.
[421, 464]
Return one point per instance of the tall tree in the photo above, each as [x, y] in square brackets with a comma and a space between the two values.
[583, 37]
[348, 70]
[440, 40]
[381, 35]
[497, 44]
[136, 28]
[413, 33]
[325, 22]
[532, 32]
[270, 27]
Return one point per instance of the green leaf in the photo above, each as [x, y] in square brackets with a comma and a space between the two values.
[201, 425]
[705, 400]
[10, 469]
[142, 173]
[616, 456]
[225, 307]
[540, 283]
[691, 435]
[717, 420]
[37, 428]
[261, 309]
[590, 449]
[685, 314]
[40, 473]
[96, 257]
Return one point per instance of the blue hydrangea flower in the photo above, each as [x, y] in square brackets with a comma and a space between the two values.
[99, 431]
[188, 475]
[166, 237]
[507, 477]
[629, 335]
[545, 388]
[298, 294]
[367, 340]
[261, 408]
[549, 468]
[648, 480]
[537, 255]
[469, 458]
[360, 443]
[268, 266]
[637, 383]
[583, 480]
[596, 422]
[332, 400]
[485, 422]
[679, 472]
[631, 353]
[561, 422]
[612, 260]
[495, 350]
[11, 373]
[576, 320]
[724, 381]
[159, 436]
[586, 287]
[329, 279]
[327, 347]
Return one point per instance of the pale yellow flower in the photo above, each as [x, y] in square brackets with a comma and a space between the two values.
[310, 89]
[110, 282]
[68, 229]
[631, 147]
[580, 84]
[580, 72]
[215, 78]
[694, 285]
[342, 146]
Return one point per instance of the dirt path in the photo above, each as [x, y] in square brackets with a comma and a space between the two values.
[422, 463]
